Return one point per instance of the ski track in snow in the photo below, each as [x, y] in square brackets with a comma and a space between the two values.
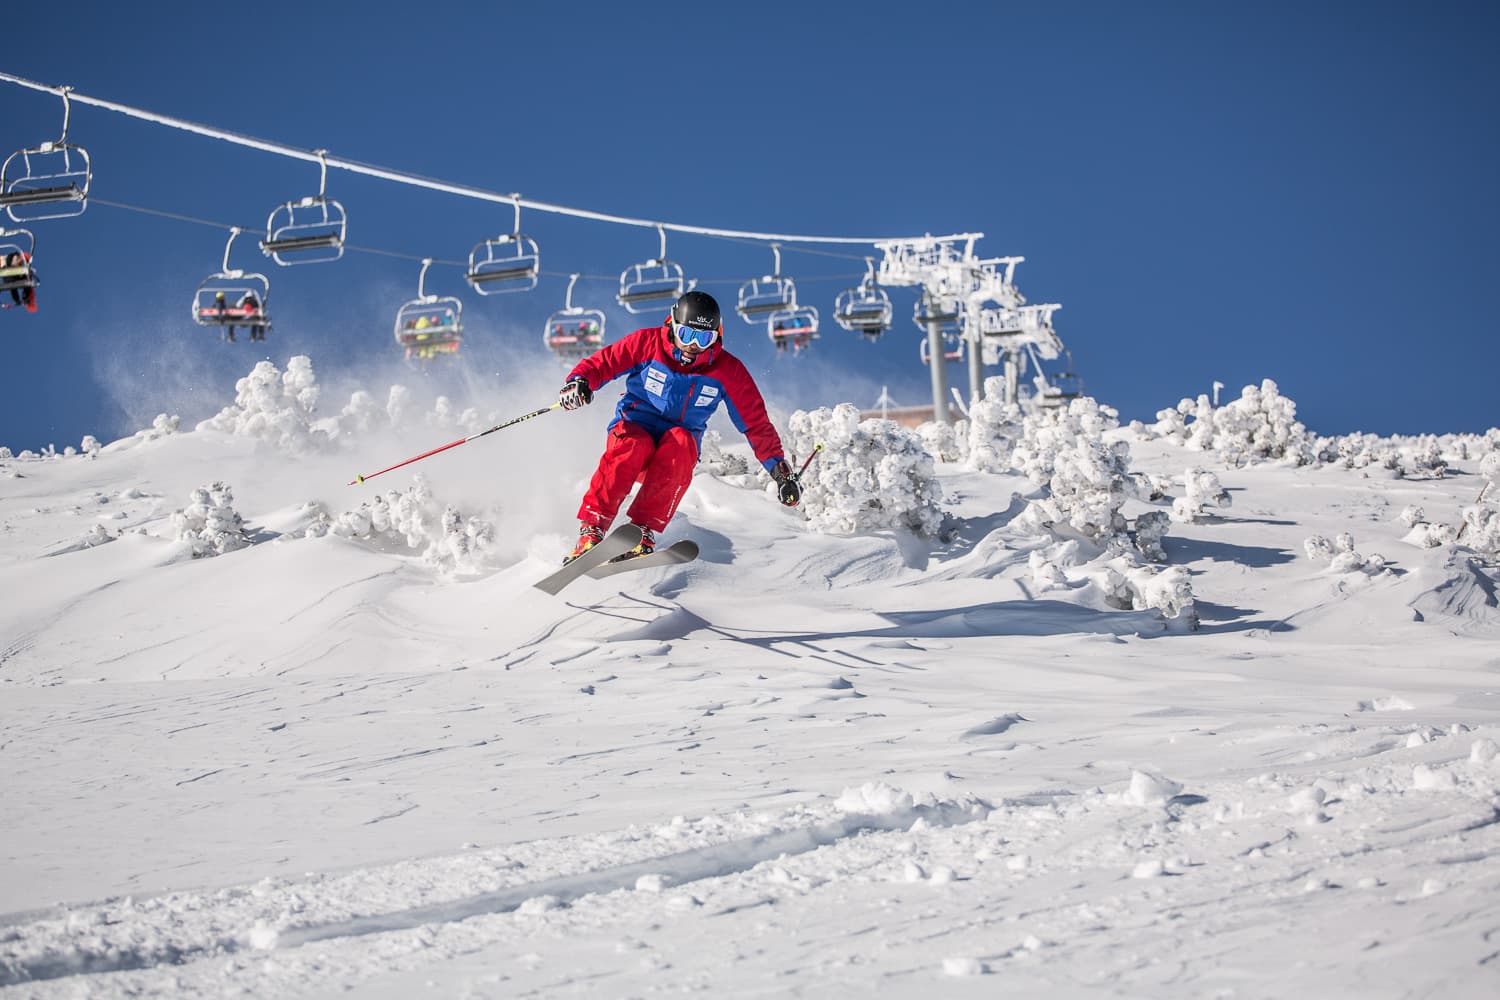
[801, 764]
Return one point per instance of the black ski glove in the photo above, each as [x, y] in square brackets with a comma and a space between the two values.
[575, 394]
[788, 490]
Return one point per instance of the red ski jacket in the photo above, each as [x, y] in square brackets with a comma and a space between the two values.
[661, 392]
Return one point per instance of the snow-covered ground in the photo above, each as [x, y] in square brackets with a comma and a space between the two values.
[963, 741]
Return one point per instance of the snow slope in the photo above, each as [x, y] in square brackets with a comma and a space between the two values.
[380, 763]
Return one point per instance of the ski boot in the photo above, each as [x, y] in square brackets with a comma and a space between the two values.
[645, 547]
[589, 535]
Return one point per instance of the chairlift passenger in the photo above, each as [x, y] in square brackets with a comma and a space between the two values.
[20, 277]
[251, 311]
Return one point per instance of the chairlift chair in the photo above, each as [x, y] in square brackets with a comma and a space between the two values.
[508, 263]
[1057, 388]
[22, 275]
[955, 348]
[230, 297]
[773, 293]
[573, 333]
[795, 327]
[429, 325]
[309, 231]
[947, 313]
[864, 309]
[651, 284]
[50, 181]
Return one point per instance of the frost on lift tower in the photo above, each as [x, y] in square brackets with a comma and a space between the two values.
[651, 284]
[230, 297]
[50, 181]
[573, 333]
[429, 326]
[866, 308]
[507, 263]
[309, 231]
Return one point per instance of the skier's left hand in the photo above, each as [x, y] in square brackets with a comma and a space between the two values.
[788, 490]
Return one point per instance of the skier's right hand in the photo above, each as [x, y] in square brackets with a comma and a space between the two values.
[575, 394]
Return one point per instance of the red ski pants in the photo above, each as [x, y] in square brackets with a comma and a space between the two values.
[664, 468]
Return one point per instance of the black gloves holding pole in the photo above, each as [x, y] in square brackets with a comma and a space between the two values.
[788, 490]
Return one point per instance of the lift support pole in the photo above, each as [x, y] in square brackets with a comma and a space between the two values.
[935, 359]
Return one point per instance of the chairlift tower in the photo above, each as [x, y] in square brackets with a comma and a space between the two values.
[940, 266]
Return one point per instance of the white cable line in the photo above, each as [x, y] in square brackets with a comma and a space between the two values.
[465, 191]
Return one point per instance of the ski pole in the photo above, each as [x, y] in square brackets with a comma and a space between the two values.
[455, 444]
[816, 448]
[1477, 501]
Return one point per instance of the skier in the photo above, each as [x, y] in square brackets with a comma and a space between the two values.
[677, 375]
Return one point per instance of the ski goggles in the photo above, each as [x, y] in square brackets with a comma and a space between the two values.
[686, 336]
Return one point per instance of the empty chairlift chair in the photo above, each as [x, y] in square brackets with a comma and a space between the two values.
[864, 309]
[49, 181]
[760, 297]
[955, 348]
[508, 263]
[231, 298]
[429, 326]
[573, 333]
[309, 231]
[945, 312]
[651, 284]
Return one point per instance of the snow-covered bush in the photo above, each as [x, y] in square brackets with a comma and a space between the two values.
[994, 427]
[716, 461]
[209, 522]
[1127, 585]
[1087, 479]
[413, 520]
[90, 446]
[1150, 528]
[945, 442]
[1200, 489]
[1341, 555]
[1481, 520]
[274, 407]
[872, 474]
[1259, 426]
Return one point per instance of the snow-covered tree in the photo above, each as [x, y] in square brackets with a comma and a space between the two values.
[872, 474]
[209, 522]
[1200, 490]
[275, 407]
[412, 519]
[1087, 479]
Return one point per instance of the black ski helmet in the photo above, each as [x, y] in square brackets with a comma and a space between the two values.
[698, 310]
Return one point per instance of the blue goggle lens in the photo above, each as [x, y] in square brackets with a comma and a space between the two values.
[692, 335]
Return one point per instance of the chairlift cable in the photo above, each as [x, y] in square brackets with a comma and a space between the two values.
[462, 190]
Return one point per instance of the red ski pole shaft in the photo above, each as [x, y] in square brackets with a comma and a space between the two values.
[816, 448]
[454, 444]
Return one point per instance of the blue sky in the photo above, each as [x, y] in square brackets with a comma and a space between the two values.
[1299, 191]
